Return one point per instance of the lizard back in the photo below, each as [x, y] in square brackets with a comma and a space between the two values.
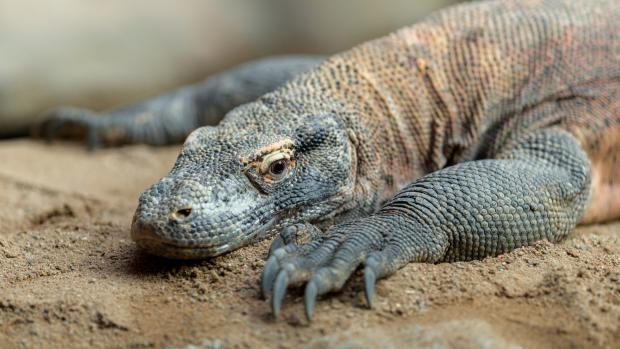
[470, 80]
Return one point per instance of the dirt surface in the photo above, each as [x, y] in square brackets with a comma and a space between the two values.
[70, 277]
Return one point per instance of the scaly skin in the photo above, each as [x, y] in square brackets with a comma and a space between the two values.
[487, 127]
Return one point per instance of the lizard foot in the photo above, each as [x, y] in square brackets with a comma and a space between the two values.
[295, 238]
[326, 263]
[72, 123]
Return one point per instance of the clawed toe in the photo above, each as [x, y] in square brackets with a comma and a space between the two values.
[269, 276]
[369, 285]
[279, 290]
[309, 299]
[295, 235]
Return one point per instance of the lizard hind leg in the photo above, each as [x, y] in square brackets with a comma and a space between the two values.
[169, 118]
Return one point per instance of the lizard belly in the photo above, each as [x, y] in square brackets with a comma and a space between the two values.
[605, 159]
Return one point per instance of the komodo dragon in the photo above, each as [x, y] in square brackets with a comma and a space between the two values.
[486, 127]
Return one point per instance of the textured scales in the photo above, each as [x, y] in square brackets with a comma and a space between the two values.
[486, 127]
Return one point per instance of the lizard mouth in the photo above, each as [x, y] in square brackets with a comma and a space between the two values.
[146, 238]
[167, 250]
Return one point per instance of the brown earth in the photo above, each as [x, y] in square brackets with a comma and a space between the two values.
[70, 277]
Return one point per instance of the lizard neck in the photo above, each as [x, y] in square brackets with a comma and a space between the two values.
[390, 101]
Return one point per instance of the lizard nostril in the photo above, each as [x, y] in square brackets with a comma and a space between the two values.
[181, 213]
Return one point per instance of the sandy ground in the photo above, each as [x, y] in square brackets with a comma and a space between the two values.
[70, 277]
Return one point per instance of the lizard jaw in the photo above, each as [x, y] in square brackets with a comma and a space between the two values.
[147, 239]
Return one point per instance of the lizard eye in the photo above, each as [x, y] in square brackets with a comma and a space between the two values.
[278, 167]
[275, 165]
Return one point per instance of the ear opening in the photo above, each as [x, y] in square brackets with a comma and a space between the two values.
[317, 131]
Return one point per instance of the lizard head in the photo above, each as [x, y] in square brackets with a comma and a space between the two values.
[232, 185]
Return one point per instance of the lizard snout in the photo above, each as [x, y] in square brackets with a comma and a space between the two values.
[186, 219]
[142, 232]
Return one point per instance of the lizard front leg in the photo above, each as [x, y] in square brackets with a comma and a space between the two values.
[537, 189]
[171, 117]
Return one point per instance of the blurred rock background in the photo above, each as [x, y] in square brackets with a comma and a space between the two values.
[103, 54]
